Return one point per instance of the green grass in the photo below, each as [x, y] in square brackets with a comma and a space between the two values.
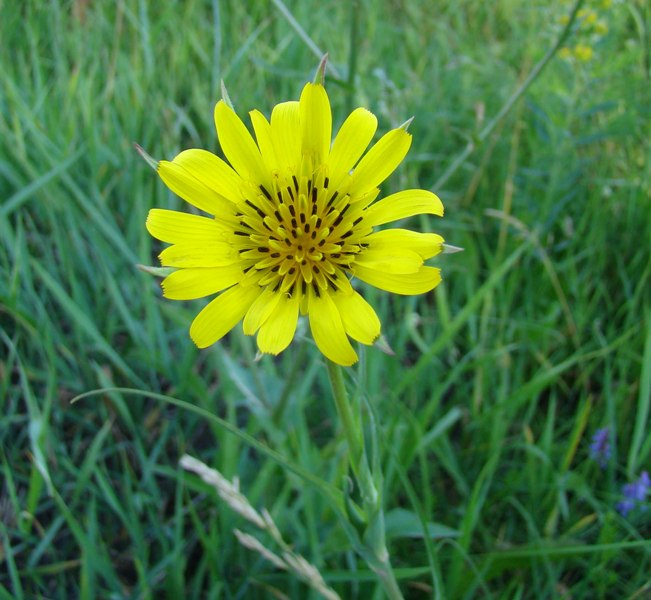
[540, 334]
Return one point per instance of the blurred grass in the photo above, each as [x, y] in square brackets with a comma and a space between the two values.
[539, 335]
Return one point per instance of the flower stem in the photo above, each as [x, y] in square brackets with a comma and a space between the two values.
[374, 538]
[349, 423]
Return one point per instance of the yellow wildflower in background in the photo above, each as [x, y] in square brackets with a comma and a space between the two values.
[295, 219]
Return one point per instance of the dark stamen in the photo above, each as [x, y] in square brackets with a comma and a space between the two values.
[255, 208]
[265, 192]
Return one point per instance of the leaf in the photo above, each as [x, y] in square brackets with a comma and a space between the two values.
[402, 523]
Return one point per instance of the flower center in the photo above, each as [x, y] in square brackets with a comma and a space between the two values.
[300, 233]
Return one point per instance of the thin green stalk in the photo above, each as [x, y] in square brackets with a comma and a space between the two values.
[506, 109]
[348, 421]
[374, 538]
[355, 9]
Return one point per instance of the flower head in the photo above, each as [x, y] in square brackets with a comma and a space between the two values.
[294, 218]
[600, 450]
[635, 494]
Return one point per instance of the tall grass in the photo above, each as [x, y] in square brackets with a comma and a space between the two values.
[540, 334]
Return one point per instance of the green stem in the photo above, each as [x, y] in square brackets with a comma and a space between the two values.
[374, 539]
[500, 116]
[355, 10]
[349, 423]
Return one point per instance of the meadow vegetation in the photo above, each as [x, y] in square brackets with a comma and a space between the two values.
[539, 335]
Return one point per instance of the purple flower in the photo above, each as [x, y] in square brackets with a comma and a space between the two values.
[635, 494]
[600, 447]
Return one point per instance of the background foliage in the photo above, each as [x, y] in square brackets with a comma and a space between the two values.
[540, 334]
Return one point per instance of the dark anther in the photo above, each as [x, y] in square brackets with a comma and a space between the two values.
[299, 247]
[312, 249]
[263, 249]
[277, 215]
[307, 228]
[338, 220]
[322, 242]
[313, 235]
[304, 287]
[286, 240]
[347, 234]
[265, 192]
[302, 217]
[315, 287]
[275, 269]
[326, 182]
[332, 199]
[295, 182]
[292, 211]
[255, 208]
[242, 233]
[294, 223]
[357, 221]
[280, 196]
[291, 191]
[314, 194]
[309, 186]
[304, 262]
[337, 255]
[292, 270]
[275, 255]
[319, 221]
[343, 212]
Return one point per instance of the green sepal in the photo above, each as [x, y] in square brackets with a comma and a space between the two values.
[156, 271]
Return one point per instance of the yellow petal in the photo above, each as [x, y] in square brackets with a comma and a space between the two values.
[389, 259]
[380, 161]
[353, 138]
[184, 184]
[188, 284]
[402, 205]
[360, 320]
[426, 279]
[212, 171]
[238, 145]
[259, 311]
[193, 254]
[222, 314]
[176, 227]
[278, 330]
[263, 136]
[316, 122]
[286, 134]
[328, 330]
[425, 245]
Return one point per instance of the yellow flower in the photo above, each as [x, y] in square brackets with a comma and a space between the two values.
[582, 52]
[295, 219]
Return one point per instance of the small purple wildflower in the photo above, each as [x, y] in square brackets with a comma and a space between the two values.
[600, 448]
[635, 494]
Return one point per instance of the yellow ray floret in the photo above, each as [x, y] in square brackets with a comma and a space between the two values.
[293, 217]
